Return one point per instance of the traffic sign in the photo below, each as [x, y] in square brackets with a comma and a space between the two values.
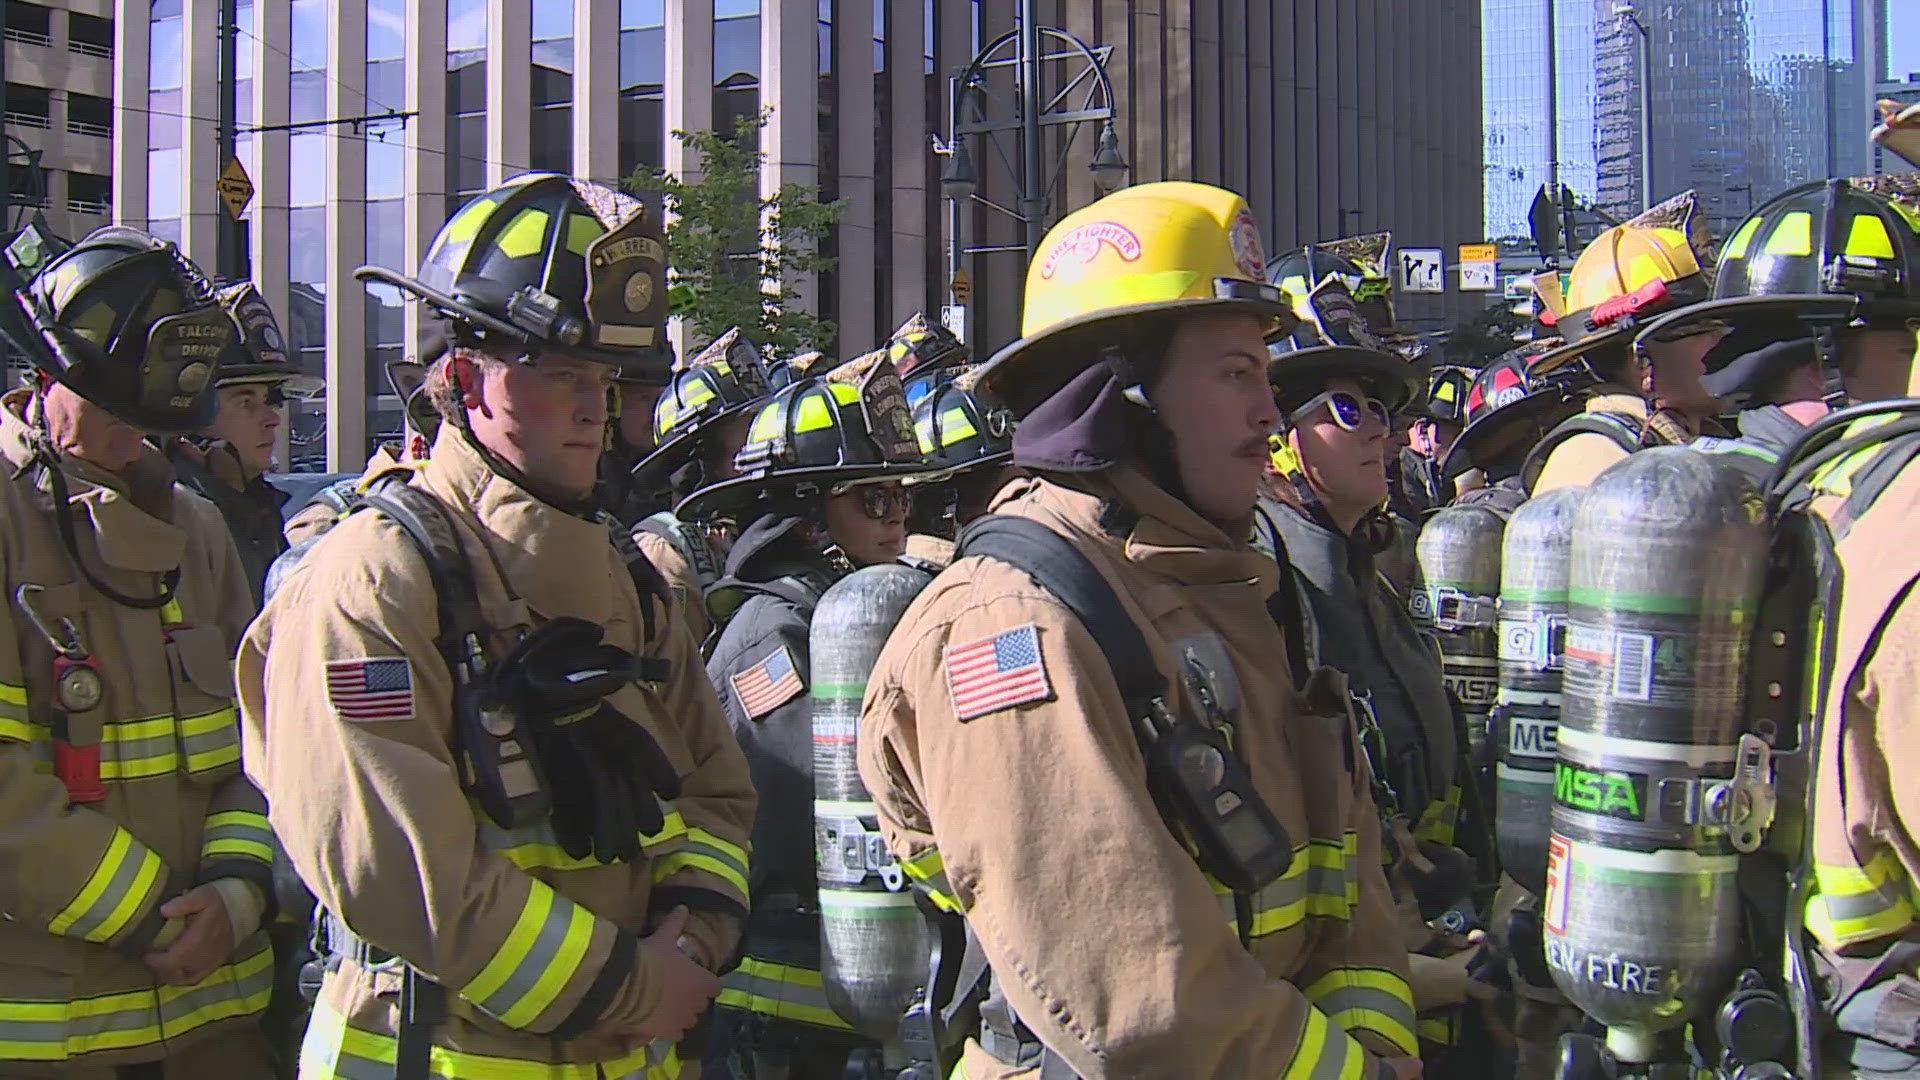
[1422, 270]
[1479, 266]
[235, 187]
[961, 286]
[1479, 253]
[954, 318]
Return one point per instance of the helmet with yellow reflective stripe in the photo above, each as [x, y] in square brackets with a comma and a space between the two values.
[1857, 238]
[1143, 253]
[548, 262]
[1630, 274]
[960, 426]
[722, 381]
[922, 346]
[1447, 391]
[847, 426]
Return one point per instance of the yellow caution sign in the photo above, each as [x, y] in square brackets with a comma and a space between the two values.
[235, 187]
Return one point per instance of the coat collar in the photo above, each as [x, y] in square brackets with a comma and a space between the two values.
[129, 514]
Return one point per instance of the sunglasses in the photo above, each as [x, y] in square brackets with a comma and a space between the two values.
[1348, 409]
[879, 500]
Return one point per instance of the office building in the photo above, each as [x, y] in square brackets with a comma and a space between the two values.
[1333, 116]
[58, 110]
[1749, 97]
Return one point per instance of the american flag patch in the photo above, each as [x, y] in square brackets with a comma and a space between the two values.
[371, 688]
[997, 672]
[768, 684]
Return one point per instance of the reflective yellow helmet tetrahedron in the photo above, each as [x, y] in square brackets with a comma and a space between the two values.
[1144, 250]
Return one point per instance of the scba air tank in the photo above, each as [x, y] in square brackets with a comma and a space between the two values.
[1534, 565]
[1454, 598]
[873, 942]
[1641, 910]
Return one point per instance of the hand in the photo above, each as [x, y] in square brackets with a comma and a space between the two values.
[205, 943]
[685, 986]
[1404, 1068]
[1441, 981]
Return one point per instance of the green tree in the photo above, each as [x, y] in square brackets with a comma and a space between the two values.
[726, 242]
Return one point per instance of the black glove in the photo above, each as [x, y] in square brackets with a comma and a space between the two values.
[605, 773]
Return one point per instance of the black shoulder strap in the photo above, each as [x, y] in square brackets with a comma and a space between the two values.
[648, 581]
[1057, 566]
[426, 523]
[1876, 474]
[1622, 428]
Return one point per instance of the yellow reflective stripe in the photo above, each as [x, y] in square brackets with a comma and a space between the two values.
[170, 613]
[1737, 247]
[693, 860]
[113, 893]
[1439, 819]
[58, 1030]
[1855, 903]
[929, 871]
[12, 695]
[137, 749]
[1867, 238]
[1792, 236]
[1369, 999]
[1437, 1029]
[781, 991]
[1323, 881]
[813, 415]
[333, 1050]
[15, 730]
[541, 954]
[211, 740]
[535, 847]
[242, 833]
[1325, 1052]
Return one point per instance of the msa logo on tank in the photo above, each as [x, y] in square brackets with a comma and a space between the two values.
[1531, 737]
[1614, 793]
[1611, 971]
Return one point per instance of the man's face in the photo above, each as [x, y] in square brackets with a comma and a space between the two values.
[547, 418]
[1212, 394]
[636, 415]
[869, 521]
[247, 423]
[1677, 368]
[1878, 363]
[89, 432]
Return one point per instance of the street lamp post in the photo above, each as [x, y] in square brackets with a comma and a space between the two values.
[1084, 96]
[1631, 15]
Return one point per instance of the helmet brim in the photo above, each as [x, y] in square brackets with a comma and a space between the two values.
[1811, 308]
[742, 492]
[1029, 370]
[1397, 382]
[291, 382]
[1532, 406]
[672, 452]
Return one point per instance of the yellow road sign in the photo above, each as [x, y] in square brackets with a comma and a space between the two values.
[961, 286]
[1479, 253]
[235, 186]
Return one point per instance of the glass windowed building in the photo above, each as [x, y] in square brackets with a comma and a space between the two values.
[1749, 97]
[1333, 116]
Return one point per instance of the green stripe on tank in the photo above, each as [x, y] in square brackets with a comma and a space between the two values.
[839, 691]
[1651, 603]
[1531, 596]
[843, 903]
[1668, 880]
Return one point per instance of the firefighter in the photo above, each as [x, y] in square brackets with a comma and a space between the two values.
[967, 438]
[134, 856]
[1508, 411]
[1414, 479]
[1007, 765]
[819, 487]
[486, 739]
[226, 461]
[630, 435]
[1798, 342]
[1650, 392]
[700, 423]
[919, 349]
[1325, 514]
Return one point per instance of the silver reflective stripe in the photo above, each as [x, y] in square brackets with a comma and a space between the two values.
[217, 741]
[1882, 898]
[132, 861]
[1333, 1058]
[1371, 999]
[539, 957]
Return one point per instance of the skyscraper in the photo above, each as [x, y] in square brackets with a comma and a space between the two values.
[1749, 96]
[1519, 148]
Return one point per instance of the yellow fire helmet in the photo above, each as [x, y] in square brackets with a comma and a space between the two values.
[1653, 264]
[1146, 250]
